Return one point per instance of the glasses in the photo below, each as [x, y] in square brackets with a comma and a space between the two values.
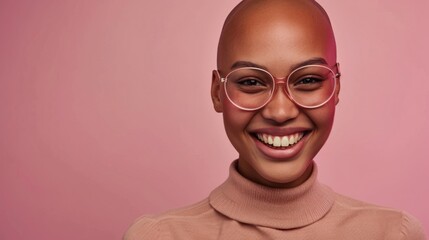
[251, 88]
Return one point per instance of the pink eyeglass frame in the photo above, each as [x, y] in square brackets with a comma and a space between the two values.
[282, 80]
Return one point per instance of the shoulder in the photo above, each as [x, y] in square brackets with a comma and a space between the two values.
[177, 222]
[388, 221]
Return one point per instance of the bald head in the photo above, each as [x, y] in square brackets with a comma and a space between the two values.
[245, 3]
[268, 20]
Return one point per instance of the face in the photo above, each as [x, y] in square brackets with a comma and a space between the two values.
[278, 36]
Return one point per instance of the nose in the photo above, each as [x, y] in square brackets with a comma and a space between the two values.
[280, 108]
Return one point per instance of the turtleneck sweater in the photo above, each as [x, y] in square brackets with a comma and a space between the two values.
[241, 209]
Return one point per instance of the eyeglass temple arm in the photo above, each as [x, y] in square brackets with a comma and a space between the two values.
[338, 74]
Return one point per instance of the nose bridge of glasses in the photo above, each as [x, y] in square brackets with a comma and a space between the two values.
[280, 81]
[281, 105]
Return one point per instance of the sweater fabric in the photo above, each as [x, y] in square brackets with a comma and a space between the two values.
[241, 209]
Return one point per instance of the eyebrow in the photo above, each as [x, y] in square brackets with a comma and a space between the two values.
[311, 61]
[240, 64]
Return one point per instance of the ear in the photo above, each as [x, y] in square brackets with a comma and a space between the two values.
[216, 91]
[337, 90]
[338, 84]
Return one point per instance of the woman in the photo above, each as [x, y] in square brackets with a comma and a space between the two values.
[277, 86]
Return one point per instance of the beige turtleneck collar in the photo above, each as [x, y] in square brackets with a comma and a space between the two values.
[245, 201]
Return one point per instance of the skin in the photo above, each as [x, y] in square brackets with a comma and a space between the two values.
[278, 35]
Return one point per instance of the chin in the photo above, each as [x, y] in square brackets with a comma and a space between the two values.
[283, 174]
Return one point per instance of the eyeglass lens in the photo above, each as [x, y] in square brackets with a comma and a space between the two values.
[309, 86]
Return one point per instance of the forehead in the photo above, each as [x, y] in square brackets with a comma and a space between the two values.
[276, 33]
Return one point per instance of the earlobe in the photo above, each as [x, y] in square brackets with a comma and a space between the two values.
[215, 92]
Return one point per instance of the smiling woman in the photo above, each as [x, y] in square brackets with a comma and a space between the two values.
[278, 94]
[106, 114]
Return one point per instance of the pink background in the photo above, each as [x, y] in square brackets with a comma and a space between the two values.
[105, 111]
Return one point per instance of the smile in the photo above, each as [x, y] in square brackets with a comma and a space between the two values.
[280, 141]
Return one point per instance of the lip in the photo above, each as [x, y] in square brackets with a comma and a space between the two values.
[281, 154]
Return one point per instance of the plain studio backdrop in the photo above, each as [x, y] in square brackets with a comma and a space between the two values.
[105, 111]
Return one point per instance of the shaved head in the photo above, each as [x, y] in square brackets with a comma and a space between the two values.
[256, 13]
[243, 4]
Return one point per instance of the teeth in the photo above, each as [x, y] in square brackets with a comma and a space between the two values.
[277, 141]
[292, 139]
[285, 141]
[270, 140]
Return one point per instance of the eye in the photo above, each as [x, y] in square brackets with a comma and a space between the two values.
[251, 82]
[308, 80]
[308, 83]
[250, 85]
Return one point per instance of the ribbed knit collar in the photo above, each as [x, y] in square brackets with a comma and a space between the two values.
[245, 201]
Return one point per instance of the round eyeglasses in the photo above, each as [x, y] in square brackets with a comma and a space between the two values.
[251, 88]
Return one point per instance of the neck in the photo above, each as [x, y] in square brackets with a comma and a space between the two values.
[248, 202]
[251, 174]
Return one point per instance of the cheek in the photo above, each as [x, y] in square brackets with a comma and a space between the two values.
[235, 122]
[323, 117]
